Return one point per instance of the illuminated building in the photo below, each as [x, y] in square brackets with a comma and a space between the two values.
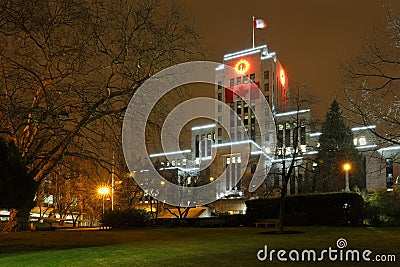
[211, 143]
[254, 68]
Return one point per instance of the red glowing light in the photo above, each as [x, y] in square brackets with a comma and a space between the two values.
[282, 77]
[242, 66]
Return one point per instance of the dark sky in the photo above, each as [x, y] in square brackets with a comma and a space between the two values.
[310, 37]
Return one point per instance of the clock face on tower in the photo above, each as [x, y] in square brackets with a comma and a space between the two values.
[282, 77]
[242, 66]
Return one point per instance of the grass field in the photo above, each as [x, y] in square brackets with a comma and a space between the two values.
[187, 246]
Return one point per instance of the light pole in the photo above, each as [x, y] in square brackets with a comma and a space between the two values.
[163, 189]
[103, 191]
[347, 168]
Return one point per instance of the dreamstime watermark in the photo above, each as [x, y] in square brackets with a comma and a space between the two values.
[148, 95]
[338, 253]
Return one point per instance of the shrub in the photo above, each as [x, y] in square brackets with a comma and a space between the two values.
[383, 208]
[126, 218]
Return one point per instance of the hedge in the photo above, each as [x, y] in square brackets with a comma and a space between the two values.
[126, 218]
[314, 209]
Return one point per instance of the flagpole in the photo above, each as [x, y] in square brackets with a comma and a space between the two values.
[253, 31]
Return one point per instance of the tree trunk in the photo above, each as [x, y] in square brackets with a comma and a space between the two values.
[18, 220]
[282, 205]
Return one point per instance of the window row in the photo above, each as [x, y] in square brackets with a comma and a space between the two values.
[174, 163]
[233, 168]
[285, 135]
[242, 80]
[203, 145]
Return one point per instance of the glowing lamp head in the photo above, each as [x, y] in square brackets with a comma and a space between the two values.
[242, 66]
[103, 190]
[347, 167]
[282, 77]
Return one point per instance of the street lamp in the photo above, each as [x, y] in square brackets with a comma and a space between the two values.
[347, 168]
[163, 189]
[103, 191]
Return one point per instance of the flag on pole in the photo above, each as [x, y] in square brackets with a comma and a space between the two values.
[260, 24]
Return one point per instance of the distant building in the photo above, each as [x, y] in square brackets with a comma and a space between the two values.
[211, 144]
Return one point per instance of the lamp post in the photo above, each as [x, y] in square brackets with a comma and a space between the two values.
[347, 168]
[163, 189]
[103, 191]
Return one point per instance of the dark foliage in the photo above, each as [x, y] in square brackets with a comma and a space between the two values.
[17, 188]
[315, 209]
[127, 218]
[383, 208]
[336, 149]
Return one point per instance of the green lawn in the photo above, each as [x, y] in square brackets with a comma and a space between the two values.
[186, 246]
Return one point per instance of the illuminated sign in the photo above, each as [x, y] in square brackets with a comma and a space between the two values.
[282, 77]
[242, 66]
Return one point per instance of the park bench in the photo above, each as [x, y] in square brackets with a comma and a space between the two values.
[267, 223]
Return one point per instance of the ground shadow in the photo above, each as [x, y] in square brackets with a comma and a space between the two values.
[289, 232]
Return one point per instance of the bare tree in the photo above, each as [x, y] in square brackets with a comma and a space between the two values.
[298, 101]
[372, 82]
[68, 69]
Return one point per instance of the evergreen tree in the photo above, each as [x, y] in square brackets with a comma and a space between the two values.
[337, 148]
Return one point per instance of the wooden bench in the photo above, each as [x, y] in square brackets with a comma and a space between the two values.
[267, 222]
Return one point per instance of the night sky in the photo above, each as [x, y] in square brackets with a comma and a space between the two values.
[311, 37]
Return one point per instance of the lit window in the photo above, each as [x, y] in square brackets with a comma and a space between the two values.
[173, 163]
[266, 74]
[239, 107]
[228, 160]
[252, 77]
[363, 141]
[355, 142]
